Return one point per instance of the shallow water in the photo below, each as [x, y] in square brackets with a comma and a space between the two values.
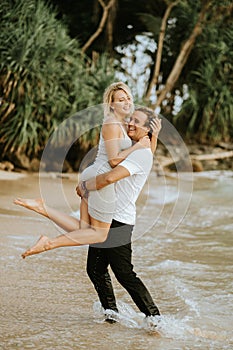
[48, 302]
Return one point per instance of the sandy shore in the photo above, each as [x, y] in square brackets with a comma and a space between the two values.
[8, 175]
[47, 301]
[57, 191]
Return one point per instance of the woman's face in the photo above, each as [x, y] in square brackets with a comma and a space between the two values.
[122, 103]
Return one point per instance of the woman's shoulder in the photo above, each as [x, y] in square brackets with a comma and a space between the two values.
[111, 122]
[111, 128]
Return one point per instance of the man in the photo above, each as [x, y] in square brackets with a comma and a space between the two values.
[130, 176]
[116, 250]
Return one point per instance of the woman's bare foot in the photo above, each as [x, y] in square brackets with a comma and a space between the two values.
[36, 205]
[41, 246]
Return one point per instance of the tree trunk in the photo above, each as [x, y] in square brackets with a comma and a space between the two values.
[219, 155]
[158, 58]
[101, 24]
[182, 57]
[168, 161]
[110, 24]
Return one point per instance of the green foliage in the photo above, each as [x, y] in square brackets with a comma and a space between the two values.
[208, 112]
[151, 22]
[44, 78]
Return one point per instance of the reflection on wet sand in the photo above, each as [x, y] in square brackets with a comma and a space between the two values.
[47, 301]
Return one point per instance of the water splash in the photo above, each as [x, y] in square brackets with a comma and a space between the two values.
[168, 326]
[126, 315]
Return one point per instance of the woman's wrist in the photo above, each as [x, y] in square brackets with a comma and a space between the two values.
[137, 145]
[84, 188]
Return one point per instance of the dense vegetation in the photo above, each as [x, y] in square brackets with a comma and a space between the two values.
[44, 76]
[49, 69]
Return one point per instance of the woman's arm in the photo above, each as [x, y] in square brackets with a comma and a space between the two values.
[111, 133]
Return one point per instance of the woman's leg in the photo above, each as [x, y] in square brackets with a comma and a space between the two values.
[97, 233]
[85, 219]
[65, 221]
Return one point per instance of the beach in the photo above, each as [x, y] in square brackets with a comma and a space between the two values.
[48, 302]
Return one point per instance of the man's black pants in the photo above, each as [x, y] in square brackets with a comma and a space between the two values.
[116, 251]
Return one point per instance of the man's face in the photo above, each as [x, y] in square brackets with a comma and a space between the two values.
[136, 128]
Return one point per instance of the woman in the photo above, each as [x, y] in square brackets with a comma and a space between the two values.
[97, 212]
[114, 146]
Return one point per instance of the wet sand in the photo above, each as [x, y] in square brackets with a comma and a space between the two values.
[46, 301]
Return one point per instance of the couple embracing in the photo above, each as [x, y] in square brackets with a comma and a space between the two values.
[109, 189]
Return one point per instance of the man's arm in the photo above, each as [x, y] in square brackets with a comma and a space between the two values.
[102, 180]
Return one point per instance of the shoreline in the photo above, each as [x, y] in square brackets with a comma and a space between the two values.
[17, 175]
[199, 157]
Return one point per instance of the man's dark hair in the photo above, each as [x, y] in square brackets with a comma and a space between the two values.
[151, 115]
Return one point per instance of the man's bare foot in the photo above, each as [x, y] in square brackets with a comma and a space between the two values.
[41, 246]
[36, 205]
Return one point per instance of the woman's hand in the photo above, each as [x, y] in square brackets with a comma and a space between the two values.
[81, 190]
[144, 142]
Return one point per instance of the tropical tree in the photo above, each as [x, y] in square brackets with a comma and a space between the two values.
[204, 58]
[106, 9]
[208, 111]
[44, 77]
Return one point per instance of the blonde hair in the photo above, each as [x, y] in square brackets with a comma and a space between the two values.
[108, 96]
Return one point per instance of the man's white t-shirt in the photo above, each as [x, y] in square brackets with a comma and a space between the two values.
[139, 164]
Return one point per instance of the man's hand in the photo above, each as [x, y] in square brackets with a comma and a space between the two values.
[79, 190]
[156, 126]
